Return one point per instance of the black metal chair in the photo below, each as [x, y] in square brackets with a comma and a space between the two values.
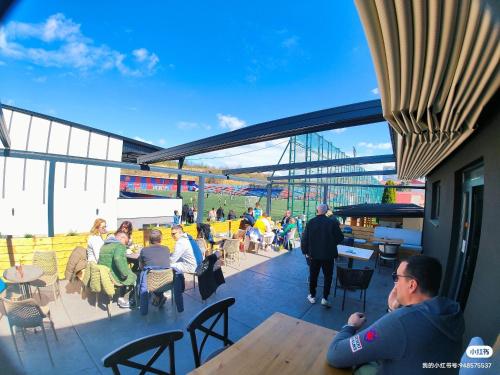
[162, 341]
[387, 253]
[353, 279]
[216, 310]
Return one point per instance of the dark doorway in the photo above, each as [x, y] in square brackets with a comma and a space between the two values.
[471, 213]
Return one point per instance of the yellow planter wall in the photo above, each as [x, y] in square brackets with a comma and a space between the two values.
[23, 248]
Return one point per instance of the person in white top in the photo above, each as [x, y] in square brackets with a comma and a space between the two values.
[182, 259]
[95, 241]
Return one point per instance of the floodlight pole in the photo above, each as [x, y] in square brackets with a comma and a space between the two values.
[201, 199]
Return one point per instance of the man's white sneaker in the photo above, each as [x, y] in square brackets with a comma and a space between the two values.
[325, 303]
[311, 299]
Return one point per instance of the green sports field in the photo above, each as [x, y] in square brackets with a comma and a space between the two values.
[238, 203]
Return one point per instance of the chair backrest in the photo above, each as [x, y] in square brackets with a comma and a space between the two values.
[25, 313]
[161, 341]
[160, 280]
[291, 235]
[231, 246]
[390, 249]
[348, 241]
[216, 310]
[354, 278]
[46, 260]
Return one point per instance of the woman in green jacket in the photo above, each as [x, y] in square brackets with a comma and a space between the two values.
[114, 255]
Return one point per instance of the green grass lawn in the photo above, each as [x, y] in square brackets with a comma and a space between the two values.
[238, 203]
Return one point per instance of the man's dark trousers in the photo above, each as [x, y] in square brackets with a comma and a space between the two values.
[314, 267]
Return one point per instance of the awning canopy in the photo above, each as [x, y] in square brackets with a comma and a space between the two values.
[437, 64]
[333, 118]
[380, 210]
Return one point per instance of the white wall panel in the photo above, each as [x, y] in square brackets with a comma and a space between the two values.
[75, 208]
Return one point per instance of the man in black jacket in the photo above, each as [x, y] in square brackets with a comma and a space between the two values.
[319, 245]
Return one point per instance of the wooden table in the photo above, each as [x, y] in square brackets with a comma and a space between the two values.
[352, 253]
[29, 273]
[280, 345]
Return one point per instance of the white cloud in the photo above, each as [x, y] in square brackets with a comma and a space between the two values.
[161, 142]
[61, 43]
[230, 122]
[290, 42]
[263, 153]
[41, 79]
[2, 63]
[142, 140]
[338, 131]
[186, 125]
[375, 91]
[376, 146]
[9, 102]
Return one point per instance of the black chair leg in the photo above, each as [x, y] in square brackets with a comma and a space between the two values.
[364, 301]
[343, 300]
[335, 289]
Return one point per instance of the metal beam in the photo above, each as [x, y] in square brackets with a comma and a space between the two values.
[356, 185]
[4, 134]
[333, 118]
[118, 164]
[339, 174]
[315, 164]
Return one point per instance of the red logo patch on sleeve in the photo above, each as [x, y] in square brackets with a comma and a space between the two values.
[371, 335]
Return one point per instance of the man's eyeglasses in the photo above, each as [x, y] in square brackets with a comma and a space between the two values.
[395, 277]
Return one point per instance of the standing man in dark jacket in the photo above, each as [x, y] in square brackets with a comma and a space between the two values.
[319, 245]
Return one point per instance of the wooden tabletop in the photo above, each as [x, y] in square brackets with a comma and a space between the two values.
[354, 252]
[280, 345]
[29, 273]
[396, 241]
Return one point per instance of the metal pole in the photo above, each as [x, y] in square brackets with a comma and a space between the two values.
[268, 205]
[50, 198]
[179, 178]
[325, 194]
[201, 199]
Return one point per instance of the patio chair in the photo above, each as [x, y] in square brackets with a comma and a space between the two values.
[216, 310]
[96, 280]
[160, 341]
[47, 261]
[230, 250]
[289, 242]
[161, 281]
[27, 314]
[353, 279]
[387, 253]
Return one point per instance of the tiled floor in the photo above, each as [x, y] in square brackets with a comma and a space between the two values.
[265, 284]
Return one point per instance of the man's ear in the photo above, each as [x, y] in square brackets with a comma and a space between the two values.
[413, 285]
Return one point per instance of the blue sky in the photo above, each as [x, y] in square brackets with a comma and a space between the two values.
[173, 72]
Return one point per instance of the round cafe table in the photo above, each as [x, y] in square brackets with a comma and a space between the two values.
[30, 273]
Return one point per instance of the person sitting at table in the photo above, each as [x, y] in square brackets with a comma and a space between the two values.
[114, 256]
[264, 226]
[155, 256]
[126, 226]
[282, 234]
[204, 238]
[95, 241]
[421, 327]
[231, 215]
[182, 260]
[248, 216]
[288, 215]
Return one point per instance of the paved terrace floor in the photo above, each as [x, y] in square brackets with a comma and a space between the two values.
[267, 283]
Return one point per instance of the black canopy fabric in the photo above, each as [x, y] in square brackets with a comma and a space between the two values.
[380, 210]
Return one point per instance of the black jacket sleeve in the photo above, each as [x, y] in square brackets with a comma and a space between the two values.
[304, 242]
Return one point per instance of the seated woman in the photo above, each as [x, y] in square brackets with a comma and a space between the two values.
[287, 229]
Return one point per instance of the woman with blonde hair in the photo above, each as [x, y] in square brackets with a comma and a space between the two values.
[95, 241]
